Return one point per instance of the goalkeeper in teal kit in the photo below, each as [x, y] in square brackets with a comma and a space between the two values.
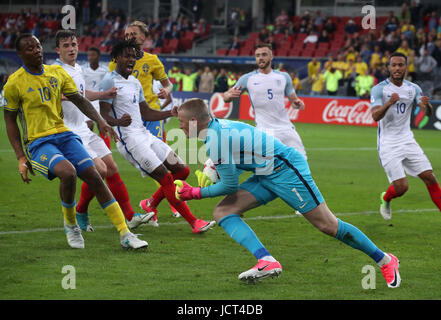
[279, 171]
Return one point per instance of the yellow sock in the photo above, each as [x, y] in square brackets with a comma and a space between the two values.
[69, 213]
[116, 215]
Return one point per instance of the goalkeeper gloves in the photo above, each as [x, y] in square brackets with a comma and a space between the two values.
[203, 179]
[186, 192]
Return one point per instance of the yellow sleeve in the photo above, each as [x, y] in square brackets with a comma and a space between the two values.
[112, 66]
[11, 96]
[68, 87]
[158, 71]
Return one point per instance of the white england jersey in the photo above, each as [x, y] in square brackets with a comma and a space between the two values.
[267, 95]
[73, 118]
[394, 127]
[93, 80]
[127, 100]
[155, 87]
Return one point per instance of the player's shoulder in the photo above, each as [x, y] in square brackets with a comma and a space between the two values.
[381, 85]
[411, 84]
[16, 76]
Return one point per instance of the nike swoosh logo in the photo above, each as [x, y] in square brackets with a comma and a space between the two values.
[394, 283]
[260, 269]
[301, 207]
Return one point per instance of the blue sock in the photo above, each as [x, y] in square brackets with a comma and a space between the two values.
[353, 237]
[237, 229]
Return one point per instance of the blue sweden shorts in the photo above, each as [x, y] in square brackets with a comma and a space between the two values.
[156, 128]
[291, 181]
[46, 152]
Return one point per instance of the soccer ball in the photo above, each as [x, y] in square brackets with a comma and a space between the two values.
[210, 171]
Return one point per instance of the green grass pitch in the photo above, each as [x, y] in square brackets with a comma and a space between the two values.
[181, 265]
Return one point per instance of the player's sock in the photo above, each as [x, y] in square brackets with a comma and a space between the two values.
[168, 187]
[240, 232]
[353, 237]
[114, 212]
[86, 196]
[68, 210]
[119, 191]
[106, 140]
[159, 194]
[435, 194]
[390, 193]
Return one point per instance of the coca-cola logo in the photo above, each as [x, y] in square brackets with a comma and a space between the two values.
[359, 113]
[218, 107]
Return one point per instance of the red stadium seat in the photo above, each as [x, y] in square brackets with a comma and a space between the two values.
[233, 52]
[222, 52]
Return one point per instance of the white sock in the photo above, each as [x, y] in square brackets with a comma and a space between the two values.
[269, 258]
[386, 259]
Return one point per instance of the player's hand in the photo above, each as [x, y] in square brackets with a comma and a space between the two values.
[23, 166]
[186, 192]
[203, 179]
[174, 111]
[394, 98]
[110, 94]
[232, 93]
[162, 94]
[426, 106]
[125, 120]
[299, 104]
[106, 130]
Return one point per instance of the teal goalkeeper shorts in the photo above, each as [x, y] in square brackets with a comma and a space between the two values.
[291, 181]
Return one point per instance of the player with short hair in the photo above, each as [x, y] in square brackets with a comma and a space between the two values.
[148, 67]
[267, 89]
[151, 156]
[67, 48]
[93, 73]
[400, 154]
[34, 93]
[279, 171]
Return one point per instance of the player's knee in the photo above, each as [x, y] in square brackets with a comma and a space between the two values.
[111, 169]
[69, 175]
[327, 228]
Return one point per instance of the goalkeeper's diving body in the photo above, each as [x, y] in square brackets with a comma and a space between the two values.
[279, 171]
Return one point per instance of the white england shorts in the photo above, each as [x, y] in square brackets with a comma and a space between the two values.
[289, 137]
[94, 144]
[144, 151]
[402, 159]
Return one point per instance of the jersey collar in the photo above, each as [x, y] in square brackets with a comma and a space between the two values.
[34, 74]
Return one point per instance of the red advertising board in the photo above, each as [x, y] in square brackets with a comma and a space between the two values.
[327, 110]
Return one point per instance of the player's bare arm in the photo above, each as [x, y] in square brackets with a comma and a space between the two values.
[426, 105]
[87, 108]
[296, 102]
[232, 93]
[378, 112]
[105, 109]
[14, 137]
[149, 114]
[97, 95]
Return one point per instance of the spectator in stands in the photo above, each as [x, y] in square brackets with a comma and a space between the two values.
[436, 54]
[206, 83]
[235, 45]
[351, 54]
[364, 84]
[350, 80]
[174, 33]
[411, 71]
[340, 64]
[313, 65]
[408, 30]
[201, 28]
[404, 13]
[329, 26]
[303, 26]
[244, 22]
[157, 42]
[332, 77]
[351, 28]
[272, 41]
[381, 73]
[324, 36]
[263, 35]
[221, 83]
[186, 25]
[281, 22]
[431, 21]
[310, 38]
[296, 84]
[169, 24]
[318, 81]
[318, 20]
[175, 76]
[404, 48]
[189, 80]
[360, 66]
[375, 60]
[391, 25]
[415, 9]
[287, 36]
[365, 53]
[425, 65]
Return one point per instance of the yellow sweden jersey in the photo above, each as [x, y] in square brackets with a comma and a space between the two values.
[147, 69]
[37, 99]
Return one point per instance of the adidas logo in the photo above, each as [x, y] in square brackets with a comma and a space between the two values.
[30, 90]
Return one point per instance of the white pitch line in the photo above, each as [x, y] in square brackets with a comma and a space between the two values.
[250, 218]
